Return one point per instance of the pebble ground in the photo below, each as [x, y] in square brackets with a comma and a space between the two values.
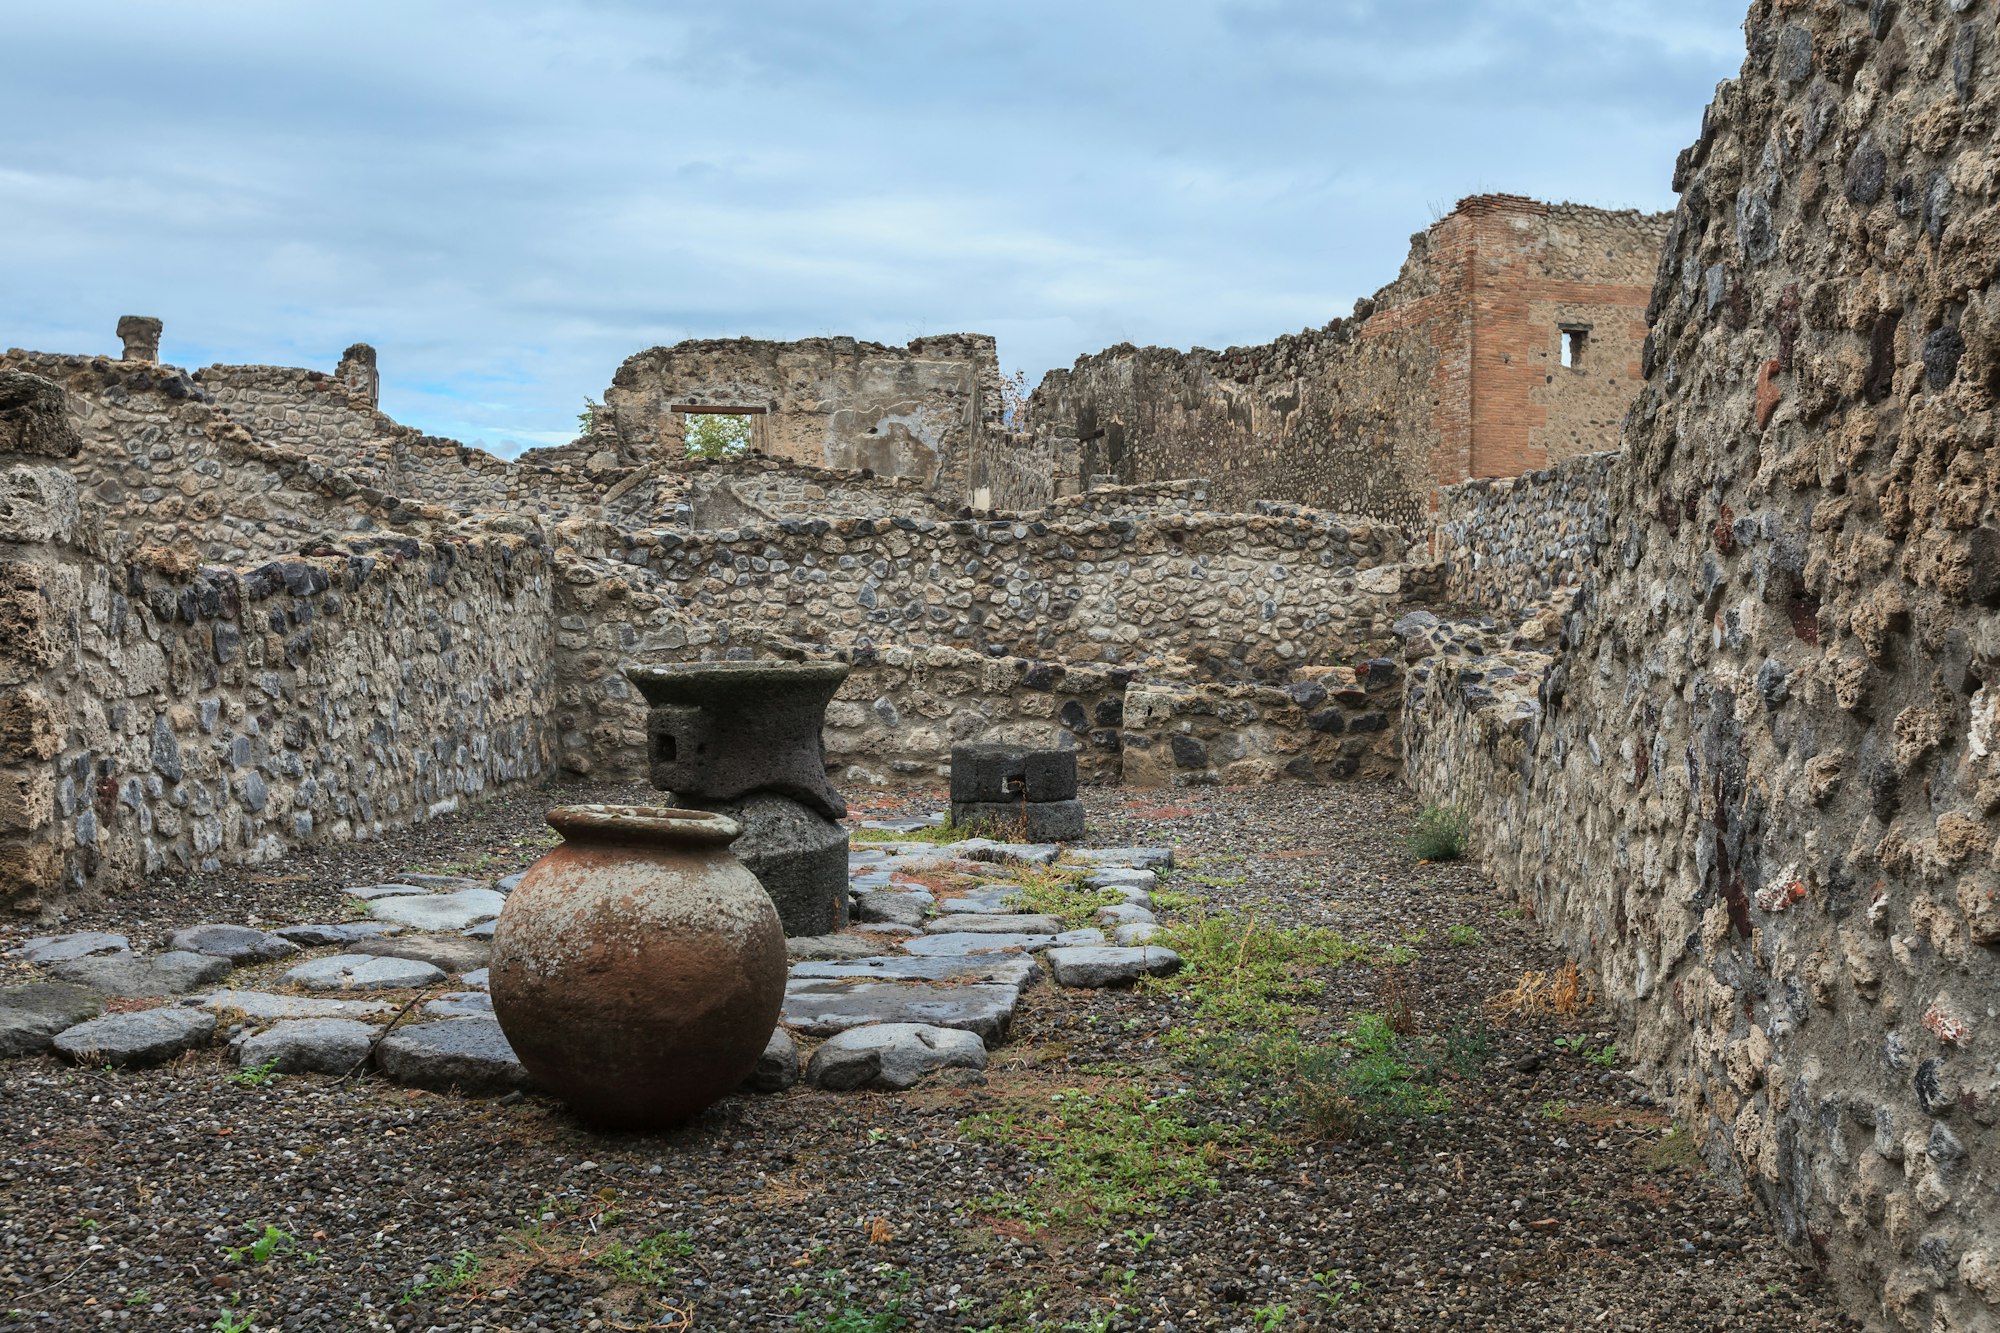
[1548, 1195]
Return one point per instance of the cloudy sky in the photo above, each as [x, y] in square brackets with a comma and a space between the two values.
[509, 198]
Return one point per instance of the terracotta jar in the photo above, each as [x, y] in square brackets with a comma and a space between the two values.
[639, 969]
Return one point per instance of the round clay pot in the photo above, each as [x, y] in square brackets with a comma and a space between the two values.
[639, 969]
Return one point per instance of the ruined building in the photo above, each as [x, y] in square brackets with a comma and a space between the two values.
[1509, 341]
[1727, 723]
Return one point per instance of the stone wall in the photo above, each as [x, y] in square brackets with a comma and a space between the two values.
[1452, 371]
[750, 492]
[1331, 724]
[1237, 596]
[911, 411]
[1756, 789]
[1505, 541]
[162, 715]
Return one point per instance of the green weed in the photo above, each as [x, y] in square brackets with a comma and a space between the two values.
[464, 1270]
[1119, 1155]
[1373, 1083]
[256, 1076]
[268, 1245]
[1463, 937]
[1439, 833]
[650, 1263]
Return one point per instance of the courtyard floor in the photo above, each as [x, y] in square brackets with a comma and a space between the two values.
[1325, 1121]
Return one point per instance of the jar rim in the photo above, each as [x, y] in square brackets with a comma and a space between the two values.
[644, 823]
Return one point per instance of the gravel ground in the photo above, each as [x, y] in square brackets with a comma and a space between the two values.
[1546, 1196]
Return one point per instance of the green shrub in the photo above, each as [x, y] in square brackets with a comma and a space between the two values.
[1439, 833]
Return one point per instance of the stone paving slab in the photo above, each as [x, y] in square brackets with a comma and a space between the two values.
[466, 1054]
[1007, 969]
[353, 971]
[900, 909]
[1124, 914]
[778, 1067]
[133, 1041]
[263, 1006]
[1095, 968]
[459, 1004]
[441, 911]
[955, 943]
[986, 900]
[1007, 923]
[891, 1057]
[32, 1016]
[345, 932]
[1138, 933]
[239, 944]
[306, 1046]
[136, 976]
[448, 953]
[45, 950]
[822, 1008]
[809, 948]
[1124, 858]
[372, 892]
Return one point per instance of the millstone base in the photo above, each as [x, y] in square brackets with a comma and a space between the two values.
[799, 856]
[1023, 821]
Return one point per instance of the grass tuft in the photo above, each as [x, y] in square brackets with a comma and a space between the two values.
[1439, 833]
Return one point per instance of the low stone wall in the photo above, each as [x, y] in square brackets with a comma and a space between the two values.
[158, 715]
[1332, 724]
[1237, 596]
[1505, 541]
[753, 492]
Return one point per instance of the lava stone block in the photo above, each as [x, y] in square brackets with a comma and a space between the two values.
[1012, 773]
[1023, 821]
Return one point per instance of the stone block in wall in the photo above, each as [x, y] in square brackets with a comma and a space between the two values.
[29, 642]
[27, 799]
[34, 418]
[30, 873]
[1336, 723]
[37, 504]
[30, 728]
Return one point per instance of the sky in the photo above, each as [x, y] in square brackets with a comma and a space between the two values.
[508, 199]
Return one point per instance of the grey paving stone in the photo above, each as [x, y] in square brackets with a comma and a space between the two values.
[452, 953]
[350, 971]
[956, 943]
[915, 825]
[894, 908]
[821, 1008]
[466, 1054]
[263, 1006]
[346, 932]
[986, 900]
[445, 883]
[239, 944]
[459, 1004]
[476, 979]
[806, 948]
[139, 976]
[1142, 932]
[44, 950]
[1119, 878]
[1124, 915]
[509, 883]
[778, 1067]
[32, 1015]
[1007, 923]
[483, 931]
[891, 1056]
[440, 911]
[1004, 853]
[1007, 969]
[1098, 967]
[371, 892]
[133, 1041]
[306, 1046]
[1125, 858]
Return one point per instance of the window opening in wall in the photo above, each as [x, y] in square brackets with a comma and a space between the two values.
[1575, 337]
[716, 432]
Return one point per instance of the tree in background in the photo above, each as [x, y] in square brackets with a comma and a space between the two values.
[1013, 399]
[586, 420]
[717, 435]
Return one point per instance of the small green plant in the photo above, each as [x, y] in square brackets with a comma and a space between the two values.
[1555, 1108]
[229, 1323]
[1604, 1057]
[1269, 1317]
[1374, 1083]
[464, 1271]
[1057, 892]
[270, 1242]
[256, 1076]
[1332, 1290]
[851, 1320]
[1463, 937]
[586, 420]
[1399, 955]
[650, 1263]
[1108, 1156]
[1439, 833]
[138, 1298]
